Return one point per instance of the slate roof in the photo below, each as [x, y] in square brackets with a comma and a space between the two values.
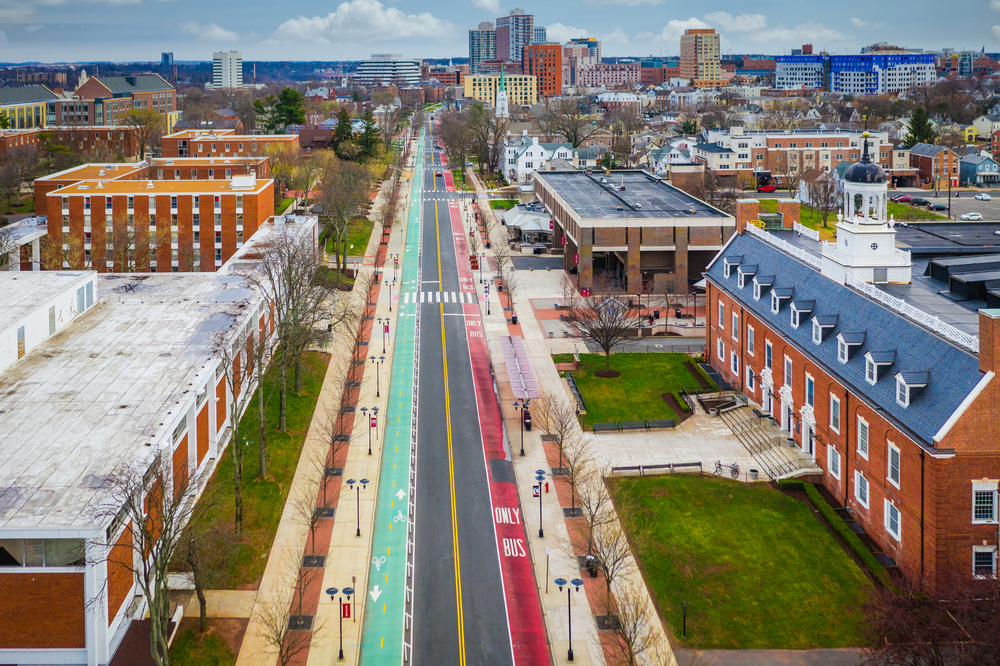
[713, 148]
[143, 83]
[25, 94]
[952, 372]
[926, 150]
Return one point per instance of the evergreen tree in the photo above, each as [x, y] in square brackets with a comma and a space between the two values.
[268, 116]
[370, 137]
[342, 133]
[291, 107]
[920, 130]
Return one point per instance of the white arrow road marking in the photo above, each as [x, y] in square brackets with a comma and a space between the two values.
[375, 593]
[401, 494]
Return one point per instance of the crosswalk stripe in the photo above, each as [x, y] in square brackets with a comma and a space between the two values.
[437, 296]
[443, 297]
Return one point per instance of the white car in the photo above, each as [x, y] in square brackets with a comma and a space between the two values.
[971, 217]
[982, 196]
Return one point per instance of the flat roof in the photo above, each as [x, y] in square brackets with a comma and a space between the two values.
[943, 234]
[26, 291]
[159, 187]
[93, 394]
[227, 135]
[95, 171]
[645, 196]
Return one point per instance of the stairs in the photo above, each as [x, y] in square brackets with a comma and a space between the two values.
[766, 444]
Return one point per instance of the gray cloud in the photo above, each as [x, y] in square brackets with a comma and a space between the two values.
[361, 20]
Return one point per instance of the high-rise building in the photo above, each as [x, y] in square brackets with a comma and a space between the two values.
[388, 69]
[592, 44]
[482, 45]
[166, 60]
[227, 70]
[576, 56]
[514, 32]
[519, 89]
[544, 61]
[539, 36]
[855, 74]
[700, 55]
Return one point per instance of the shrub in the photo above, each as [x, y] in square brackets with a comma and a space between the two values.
[701, 371]
[679, 397]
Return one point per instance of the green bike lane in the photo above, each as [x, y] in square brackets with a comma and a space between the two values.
[382, 637]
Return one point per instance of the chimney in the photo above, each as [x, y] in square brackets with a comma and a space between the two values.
[746, 210]
[989, 341]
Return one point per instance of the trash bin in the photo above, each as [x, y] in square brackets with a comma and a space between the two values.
[592, 566]
[753, 474]
[513, 319]
[500, 286]
[656, 314]
[677, 312]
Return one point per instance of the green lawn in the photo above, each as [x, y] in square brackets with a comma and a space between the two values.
[283, 206]
[635, 395]
[239, 563]
[203, 650]
[810, 216]
[904, 212]
[502, 204]
[757, 568]
[24, 205]
[359, 232]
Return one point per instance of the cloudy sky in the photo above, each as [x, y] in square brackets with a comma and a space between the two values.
[82, 30]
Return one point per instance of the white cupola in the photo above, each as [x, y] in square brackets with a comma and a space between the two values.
[866, 237]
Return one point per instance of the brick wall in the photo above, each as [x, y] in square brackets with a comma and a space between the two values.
[120, 572]
[42, 610]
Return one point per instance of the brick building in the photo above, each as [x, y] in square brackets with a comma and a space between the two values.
[107, 100]
[177, 225]
[224, 143]
[81, 140]
[608, 75]
[934, 162]
[897, 408]
[544, 62]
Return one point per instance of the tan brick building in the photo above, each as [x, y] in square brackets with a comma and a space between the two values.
[224, 143]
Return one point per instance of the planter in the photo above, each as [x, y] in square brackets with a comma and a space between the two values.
[713, 411]
[753, 474]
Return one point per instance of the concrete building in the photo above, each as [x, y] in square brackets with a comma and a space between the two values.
[482, 45]
[574, 57]
[608, 75]
[615, 102]
[894, 405]
[166, 59]
[631, 228]
[91, 394]
[107, 100]
[522, 90]
[224, 143]
[871, 74]
[539, 36]
[544, 62]
[514, 32]
[227, 70]
[592, 44]
[699, 61]
[387, 69]
[25, 107]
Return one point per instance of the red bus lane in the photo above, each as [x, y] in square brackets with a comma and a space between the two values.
[524, 610]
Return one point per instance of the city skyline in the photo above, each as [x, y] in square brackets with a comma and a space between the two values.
[136, 30]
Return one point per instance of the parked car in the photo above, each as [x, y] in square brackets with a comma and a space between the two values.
[982, 196]
[766, 188]
[439, 174]
[971, 217]
[917, 201]
[937, 207]
[902, 198]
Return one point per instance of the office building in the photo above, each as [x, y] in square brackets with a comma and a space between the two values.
[521, 89]
[482, 45]
[514, 32]
[544, 62]
[227, 70]
[107, 100]
[699, 62]
[25, 107]
[166, 60]
[870, 74]
[539, 36]
[592, 44]
[387, 69]
[224, 143]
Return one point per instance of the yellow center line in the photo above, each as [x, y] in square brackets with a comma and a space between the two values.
[451, 463]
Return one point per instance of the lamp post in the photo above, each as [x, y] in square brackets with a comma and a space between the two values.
[347, 592]
[486, 295]
[363, 483]
[569, 585]
[540, 477]
[395, 265]
[378, 362]
[383, 323]
[389, 284]
[519, 406]
[482, 258]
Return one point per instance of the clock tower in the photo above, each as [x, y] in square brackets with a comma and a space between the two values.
[866, 238]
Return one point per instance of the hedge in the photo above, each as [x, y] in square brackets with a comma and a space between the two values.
[700, 370]
[840, 527]
[679, 397]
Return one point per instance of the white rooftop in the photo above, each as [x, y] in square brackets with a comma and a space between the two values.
[23, 292]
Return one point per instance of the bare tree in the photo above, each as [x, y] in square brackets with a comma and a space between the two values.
[17, 165]
[557, 418]
[307, 513]
[307, 173]
[603, 319]
[595, 503]
[569, 119]
[344, 195]
[137, 497]
[610, 548]
[232, 355]
[633, 635]
[8, 249]
[130, 246]
[146, 126]
[579, 465]
[824, 196]
[280, 619]
[511, 283]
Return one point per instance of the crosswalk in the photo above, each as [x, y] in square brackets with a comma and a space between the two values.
[439, 297]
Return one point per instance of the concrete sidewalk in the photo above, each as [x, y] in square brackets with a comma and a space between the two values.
[830, 657]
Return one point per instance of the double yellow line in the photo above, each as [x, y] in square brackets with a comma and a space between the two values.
[451, 461]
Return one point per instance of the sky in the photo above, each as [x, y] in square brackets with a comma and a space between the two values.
[137, 30]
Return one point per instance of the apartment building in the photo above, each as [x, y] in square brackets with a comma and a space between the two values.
[224, 143]
[25, 107]
[482, 45]
[227, 70]
[150, 397]
[387, 69]
[575, 56]
[699, 61]
[870, 74]
[522, 89]
[544, 62]
[603, 75]
[631, 226]
[514, 32]
[107, 100]
[896, 407]
[935, 163]
[167, 225]
[614, 102]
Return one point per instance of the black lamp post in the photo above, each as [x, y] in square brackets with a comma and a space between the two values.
[519, 406]
[540, 477]
[395, 265]
[363, 483]
[378, 362]
[569, 585]
[482, 258]
[389, 284]
[347, 592]
[486, 295]
[383, 323]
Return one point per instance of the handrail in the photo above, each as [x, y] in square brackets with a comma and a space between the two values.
[785, 247]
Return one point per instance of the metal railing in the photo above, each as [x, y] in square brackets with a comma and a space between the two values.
[785, 247]
[668, 468]
[811, 234]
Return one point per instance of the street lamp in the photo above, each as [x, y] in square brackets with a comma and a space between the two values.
[519, 406]
[347, 592]
[540, 477]
[378, 362]
[363, 483]
[576, 582]
[372, 424]
[486, 295]
[395, 265]
[389, 284]
[383, 323]
[482, 258]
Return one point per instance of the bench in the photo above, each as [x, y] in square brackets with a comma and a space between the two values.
[632, 425]
[660, 423]
[605, 427]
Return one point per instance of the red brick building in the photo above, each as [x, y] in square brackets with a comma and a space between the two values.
[117, 141]
[544, 61]
[934, 162]
[107, 100]
[224, 143]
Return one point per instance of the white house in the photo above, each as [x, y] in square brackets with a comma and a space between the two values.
[986, 125]
[526, 155]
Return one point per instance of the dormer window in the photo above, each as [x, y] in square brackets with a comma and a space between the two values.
[841, 350]
[801, 311]
[845, 341]
[907, 384]
[761, 284]
[817, 332]
[778, 295]
[728, 263]
[743, 273]
[822, 325]
[875, 362]
[775, 303]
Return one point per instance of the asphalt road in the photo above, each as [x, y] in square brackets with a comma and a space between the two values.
[459, 613]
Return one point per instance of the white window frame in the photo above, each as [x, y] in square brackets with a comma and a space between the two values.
[984, 549]
[750, 380]
[812, 381]
[861, 482]
[833, 461]
[863, 425]
[768, 355]
[722, 314]
[889, 509]
[750, 340]
[740, 279]
[787, 378]
[726, 269]
[734, 362]
[735, 325]
[871, 371]
[842, 351]
[902, 392]
[775, 304]
[794, 317]
[890, 450]
[835, 426]
[984, 488]
[756, 290]
[720, 349]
